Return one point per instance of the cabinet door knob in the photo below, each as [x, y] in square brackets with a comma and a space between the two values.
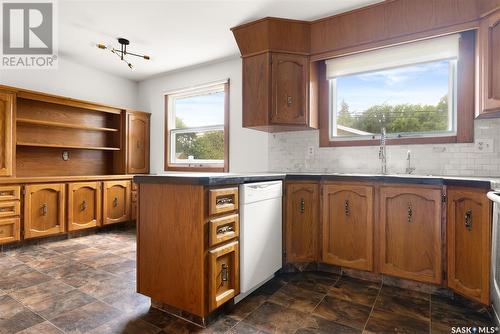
[302, 205]
[468, 220]
[347, 209]
[45, 209]
[115, 202]
[410, 213]
[83, 206]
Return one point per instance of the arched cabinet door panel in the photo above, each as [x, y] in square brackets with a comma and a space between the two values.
[302, 222]
[348, 225]
[410, 232]
[138, 142]
[469, 243]
[84, 205]
[116, 201]
[289, 89]
[44, 210]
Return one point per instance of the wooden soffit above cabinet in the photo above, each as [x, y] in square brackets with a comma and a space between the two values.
[388, 22]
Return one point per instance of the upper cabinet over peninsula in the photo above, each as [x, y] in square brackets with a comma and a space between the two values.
[279, 83]
[284, 83]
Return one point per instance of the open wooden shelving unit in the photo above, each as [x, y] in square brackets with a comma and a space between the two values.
[91, 136]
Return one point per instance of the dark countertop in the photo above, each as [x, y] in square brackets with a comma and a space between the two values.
[210, 179]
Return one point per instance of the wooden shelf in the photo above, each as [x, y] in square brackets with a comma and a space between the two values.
[68, 146]
[63, 125]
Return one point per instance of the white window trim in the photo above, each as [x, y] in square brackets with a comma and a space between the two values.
[452, 104]
[213, 87]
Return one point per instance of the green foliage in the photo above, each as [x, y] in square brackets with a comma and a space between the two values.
[205, 146]
[397, 118]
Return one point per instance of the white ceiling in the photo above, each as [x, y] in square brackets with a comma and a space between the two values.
[175, 33]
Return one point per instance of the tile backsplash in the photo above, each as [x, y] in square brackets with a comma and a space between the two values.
[300, 152]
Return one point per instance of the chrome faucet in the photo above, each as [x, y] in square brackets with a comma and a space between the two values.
[409, 168]
[382, 153]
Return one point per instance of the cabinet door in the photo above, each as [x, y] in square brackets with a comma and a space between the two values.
[84, 205]
[302, 222]
[489, 34]
[289, 89]
[224, 275]
[116, 201]
[43, 210]
[410, 233]
[348, 226]
[138, 143]
[469, 243]
[6, 136]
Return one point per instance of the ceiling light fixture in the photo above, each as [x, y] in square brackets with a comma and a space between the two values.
[122, 52]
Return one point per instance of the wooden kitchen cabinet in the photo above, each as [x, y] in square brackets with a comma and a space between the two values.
[489, 41]
[43, 210]
[289, 77]
[84, 205]
[302, 221]
[224, 272]
[7, 101]
[469, 243]
[138, 124]
[10, 230]
[348, 225]
[276, 92]
[410, 232]
[116, 201]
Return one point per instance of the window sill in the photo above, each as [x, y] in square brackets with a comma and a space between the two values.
[393, 141]
[180, 168]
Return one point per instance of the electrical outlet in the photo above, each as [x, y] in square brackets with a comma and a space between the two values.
[65, 155]
[310, 151]
[484, 145]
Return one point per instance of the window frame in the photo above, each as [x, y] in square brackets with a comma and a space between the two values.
[464, 100]
[203, 166]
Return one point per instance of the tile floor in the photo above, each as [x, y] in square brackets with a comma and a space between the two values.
[87, 285]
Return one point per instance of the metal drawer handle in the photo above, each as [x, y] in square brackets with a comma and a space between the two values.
[225, 229]
[45, 209]
[83, 206]
[6, 209]
[224, 273]
[224, 201]
[5, 193]
[468, 220]
[115, 202]
[302, 205]
[347, 208]
[410, 213]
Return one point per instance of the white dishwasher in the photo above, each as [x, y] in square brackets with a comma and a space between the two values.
[260, 234]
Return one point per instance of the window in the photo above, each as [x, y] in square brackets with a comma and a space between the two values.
[197, 135]
[411, 90]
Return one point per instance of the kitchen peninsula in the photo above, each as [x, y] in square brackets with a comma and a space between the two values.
[393, 226]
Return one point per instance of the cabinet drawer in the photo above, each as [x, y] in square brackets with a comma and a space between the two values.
[9, 209]
[9, 230]
[224, 229]
[222, 200]
[224, 275]
[9, 193]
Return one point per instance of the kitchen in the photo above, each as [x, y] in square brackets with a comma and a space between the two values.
[294, 167]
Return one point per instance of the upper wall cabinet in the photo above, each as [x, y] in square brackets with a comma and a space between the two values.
[137, 142]
[489, 39]
[6, 136]
[279, 84]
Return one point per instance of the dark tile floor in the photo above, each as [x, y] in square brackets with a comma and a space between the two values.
[87, 285]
